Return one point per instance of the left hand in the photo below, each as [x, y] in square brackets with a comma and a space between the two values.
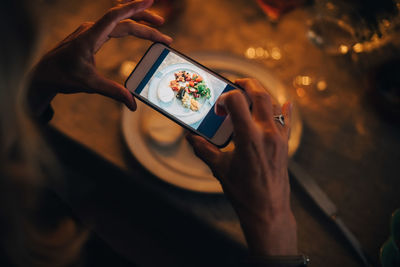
[70, 66]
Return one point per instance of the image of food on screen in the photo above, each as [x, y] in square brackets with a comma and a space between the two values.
[183, 90]
[189, 88]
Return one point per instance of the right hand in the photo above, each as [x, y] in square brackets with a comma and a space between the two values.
[70, 66]
[254, 175]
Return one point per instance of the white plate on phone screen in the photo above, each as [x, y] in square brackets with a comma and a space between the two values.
[177, 164]
[161, 81]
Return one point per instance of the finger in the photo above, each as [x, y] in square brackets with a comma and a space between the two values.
[287, 113]
[106, 87]
[206, 151]
[236, 106]
[149, 17]
[276, 108]
[98, 34]
[129, 27]
[262, 108]
[82, 28]
[219, 109]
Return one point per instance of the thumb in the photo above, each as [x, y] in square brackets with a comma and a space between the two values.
[206, 151]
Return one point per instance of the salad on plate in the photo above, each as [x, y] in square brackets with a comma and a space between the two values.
[190, 89]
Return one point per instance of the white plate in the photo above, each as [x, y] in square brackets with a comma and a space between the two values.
[161, 81]
[178, 165]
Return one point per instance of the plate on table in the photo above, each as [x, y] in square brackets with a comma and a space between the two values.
[173, 161]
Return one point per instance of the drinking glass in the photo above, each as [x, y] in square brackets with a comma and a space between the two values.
[336, 26]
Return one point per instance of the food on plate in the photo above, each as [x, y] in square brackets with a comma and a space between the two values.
[186, 100]
[174, 85]
[194, 105]
[189, 102]
[190, 88]
[181, 93]
[160, 130]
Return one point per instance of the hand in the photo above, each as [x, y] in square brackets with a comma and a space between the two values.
[70, 66]
[254, 175]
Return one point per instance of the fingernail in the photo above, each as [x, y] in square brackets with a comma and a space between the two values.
[131, 105]
[219, 107]
[220, 110]
[168, 39]
[221, 100]
[162, 20]
[238, 80]
[131, 102]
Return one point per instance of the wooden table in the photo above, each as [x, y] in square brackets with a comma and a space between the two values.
[347, 147]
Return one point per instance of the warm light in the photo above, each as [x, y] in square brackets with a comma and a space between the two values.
[330, 6]
[276, 53]
[281, 97]
[343, 49]
[300, 92]
[368, 46]
[250, 52]
[375, 37]
[302, 80]
[358, 48]
[126, 68]
[386, 23]
[259, 52]
[305, 80]
[321, 85]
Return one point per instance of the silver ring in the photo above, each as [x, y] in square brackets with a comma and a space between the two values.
[280, 119]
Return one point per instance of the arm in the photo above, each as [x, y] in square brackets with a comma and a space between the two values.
[254, 176]
[70, 66]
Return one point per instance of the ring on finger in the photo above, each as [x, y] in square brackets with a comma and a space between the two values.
[280, 118]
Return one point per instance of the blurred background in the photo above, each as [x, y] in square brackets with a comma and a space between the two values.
[338, 61]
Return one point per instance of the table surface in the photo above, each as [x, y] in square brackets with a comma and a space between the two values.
[346, 146]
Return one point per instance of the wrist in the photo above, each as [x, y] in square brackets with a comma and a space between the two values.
[271, 234]
[39, 97]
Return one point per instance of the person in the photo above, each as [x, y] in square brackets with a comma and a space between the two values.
[254, 175]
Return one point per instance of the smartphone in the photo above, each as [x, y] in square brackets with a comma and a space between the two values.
[183, 90]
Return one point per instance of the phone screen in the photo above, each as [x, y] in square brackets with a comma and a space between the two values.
[184, 90]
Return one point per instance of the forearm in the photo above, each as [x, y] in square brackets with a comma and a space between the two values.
[270, 228]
